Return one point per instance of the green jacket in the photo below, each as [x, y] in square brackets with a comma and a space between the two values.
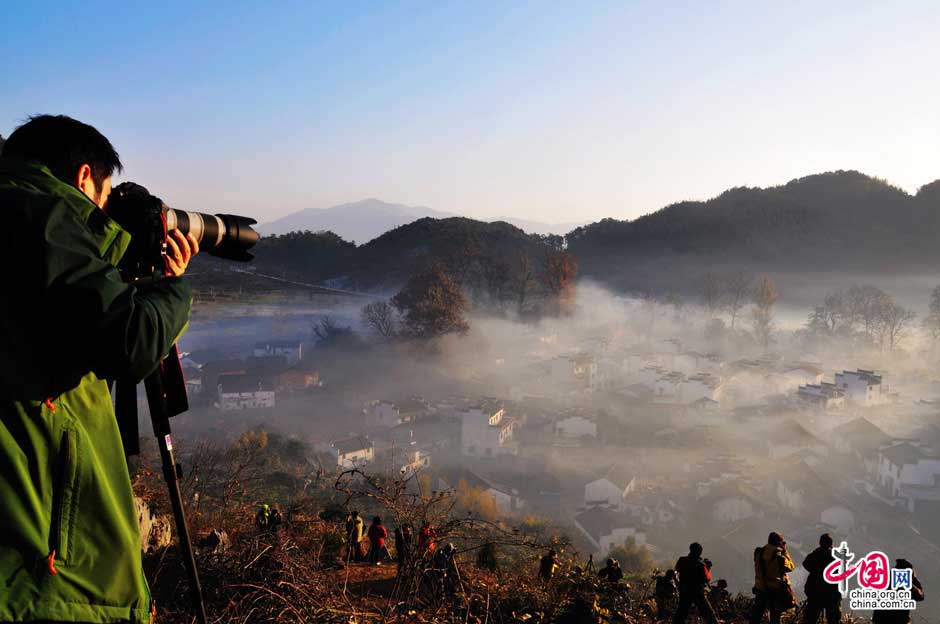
[69, 543]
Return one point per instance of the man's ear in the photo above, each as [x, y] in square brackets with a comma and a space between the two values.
[84, 181]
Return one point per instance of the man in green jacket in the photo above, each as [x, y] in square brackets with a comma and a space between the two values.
[69, 543]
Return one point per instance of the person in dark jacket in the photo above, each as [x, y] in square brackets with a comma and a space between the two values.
[694, 575]
[610, 573]
[665, 594]
[547, 565]
[821, 596]
[899, 616]
[70, 544]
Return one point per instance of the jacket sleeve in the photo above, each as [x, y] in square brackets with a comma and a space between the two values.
[787, 563]
[121, 330]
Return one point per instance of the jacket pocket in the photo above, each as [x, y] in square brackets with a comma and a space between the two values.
[65, 477]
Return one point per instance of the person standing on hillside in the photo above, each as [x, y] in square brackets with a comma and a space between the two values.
[821, 596]
[377, 535]
[353, 536]
[901, 616]
[694, 574]
[70, 542]
[772, 590]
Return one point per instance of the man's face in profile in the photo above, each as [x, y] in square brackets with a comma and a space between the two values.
[101, 197]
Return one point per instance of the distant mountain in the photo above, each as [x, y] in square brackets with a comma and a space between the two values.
[537, 227]
[364, 220]
[359, 221]
[823, 224]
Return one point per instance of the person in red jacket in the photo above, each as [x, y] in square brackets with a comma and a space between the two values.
[377, 535]
[694, 575]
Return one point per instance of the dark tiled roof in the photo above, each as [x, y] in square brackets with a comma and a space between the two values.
[355, 443]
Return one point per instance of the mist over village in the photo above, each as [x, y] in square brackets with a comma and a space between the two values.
[470, 313]
[627, 424]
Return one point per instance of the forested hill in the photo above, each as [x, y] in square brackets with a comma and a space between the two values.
[385, 263]
[830, 222]
[821, 224]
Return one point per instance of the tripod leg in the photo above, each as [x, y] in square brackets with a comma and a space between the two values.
[156, 398]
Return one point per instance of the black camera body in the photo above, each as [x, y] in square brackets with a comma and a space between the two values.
[148, 220]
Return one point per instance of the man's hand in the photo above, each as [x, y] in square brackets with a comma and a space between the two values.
[179, 251]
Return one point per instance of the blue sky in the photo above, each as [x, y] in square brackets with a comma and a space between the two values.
[539, 110]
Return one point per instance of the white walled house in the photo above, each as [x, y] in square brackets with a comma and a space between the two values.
[292, 350]
[575, 427]
[352, 452]
[241, 392]
[486, 430]
[610, 490]
[909, 472]
[605, 529]
[381, 414]
[862, 387]
[412, 462]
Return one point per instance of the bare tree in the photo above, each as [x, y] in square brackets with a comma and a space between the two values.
[893, 322]
[711, 292]
[864, 305]
[737, 293]
[326, 330]
[762, 314]
[932, 320]
[832, 317]
[381, 316]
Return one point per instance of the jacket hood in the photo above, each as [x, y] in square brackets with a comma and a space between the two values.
[112, 239]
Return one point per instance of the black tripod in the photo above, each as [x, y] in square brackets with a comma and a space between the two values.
[166, 397]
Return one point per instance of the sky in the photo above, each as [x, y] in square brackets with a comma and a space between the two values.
[551, 111]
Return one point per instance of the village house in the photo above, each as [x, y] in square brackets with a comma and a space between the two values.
[790, 437]
[291, 350]
[295, 379]
[863, 387]
[381, 414]
[861, 439]
[823, 395]
[729, 502]
[458, 478]
[575, 372]
[909, 472]
[799, 488]
[575, 428]
[605, 528]
[801, 373]
[487, 430]
[610, 490]
[240, 392]
[415, 460]
[352, 452]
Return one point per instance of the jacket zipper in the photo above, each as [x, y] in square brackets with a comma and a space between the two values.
[58, 511]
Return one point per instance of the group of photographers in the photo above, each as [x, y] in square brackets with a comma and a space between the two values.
[689, 585]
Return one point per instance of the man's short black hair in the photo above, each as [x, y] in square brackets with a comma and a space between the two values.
[63, 145]
[695, 548]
